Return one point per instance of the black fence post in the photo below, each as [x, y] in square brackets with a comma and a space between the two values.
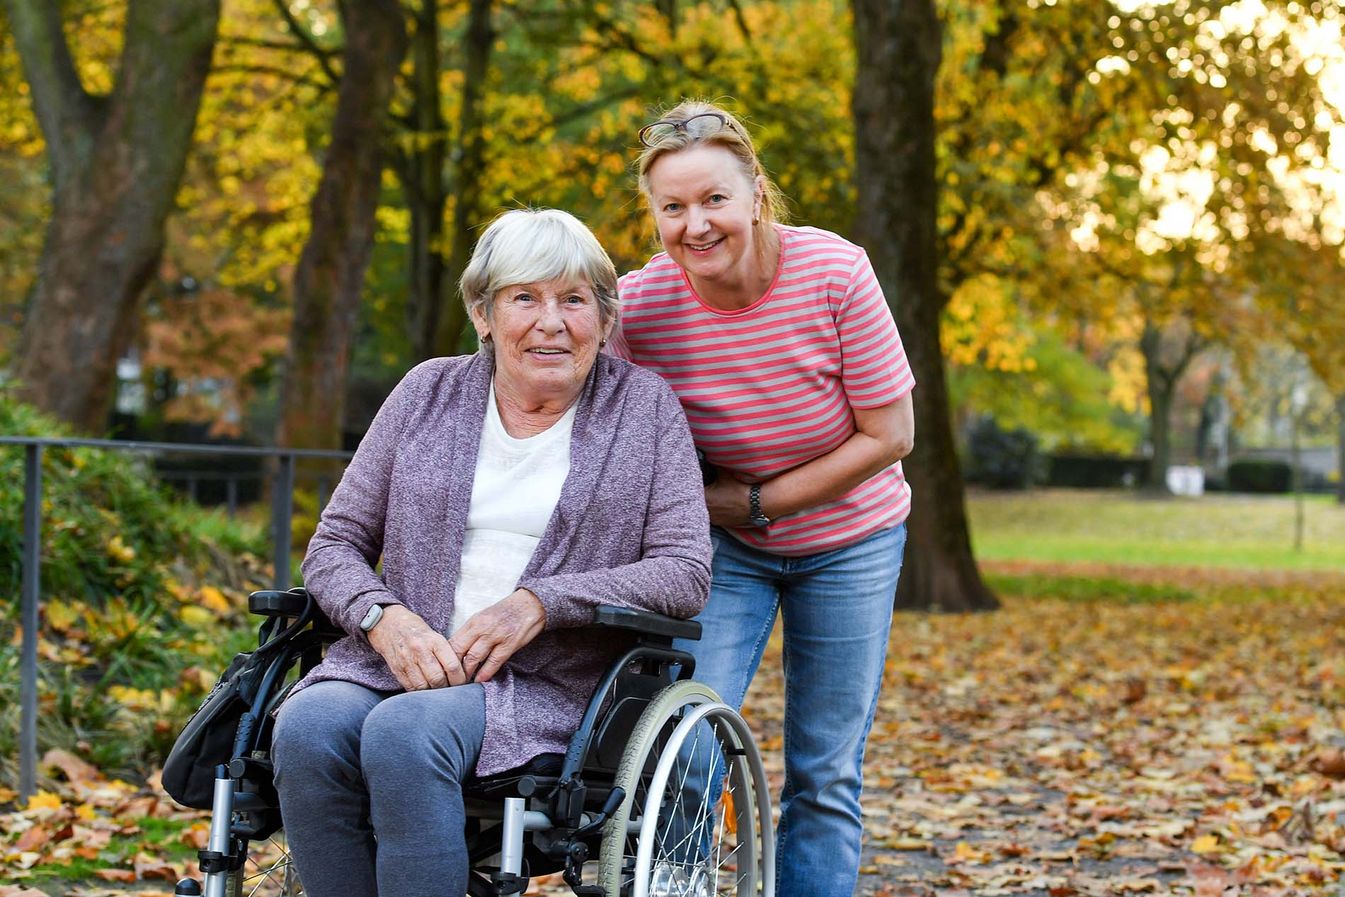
[282, 519]
[32, 584]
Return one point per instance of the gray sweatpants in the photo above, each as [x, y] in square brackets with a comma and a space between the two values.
[370, 787]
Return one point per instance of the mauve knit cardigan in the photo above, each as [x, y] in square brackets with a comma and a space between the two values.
[630, 529]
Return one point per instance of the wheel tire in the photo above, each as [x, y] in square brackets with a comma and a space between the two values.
[685, 726]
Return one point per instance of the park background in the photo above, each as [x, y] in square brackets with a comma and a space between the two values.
[1110, 232]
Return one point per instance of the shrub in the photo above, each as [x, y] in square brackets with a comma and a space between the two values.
[1096, 471]
[139, 595]
[1003, 459]
[1258, 475]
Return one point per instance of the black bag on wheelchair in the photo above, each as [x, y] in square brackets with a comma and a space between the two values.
[232, 720]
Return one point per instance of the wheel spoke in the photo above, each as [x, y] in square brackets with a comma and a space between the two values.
[268, 871]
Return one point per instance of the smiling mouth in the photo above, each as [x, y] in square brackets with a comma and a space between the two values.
[704, 247]
[549, 352]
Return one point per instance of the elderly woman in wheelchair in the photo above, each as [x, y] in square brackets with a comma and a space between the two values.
[537, 508]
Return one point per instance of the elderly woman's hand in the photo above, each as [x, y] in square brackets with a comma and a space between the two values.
[493, 635]
[418, 656]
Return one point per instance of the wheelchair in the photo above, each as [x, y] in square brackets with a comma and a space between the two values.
[661, 792]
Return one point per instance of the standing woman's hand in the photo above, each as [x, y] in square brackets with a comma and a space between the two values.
[492, 636]
[726, 500]
[418, 656]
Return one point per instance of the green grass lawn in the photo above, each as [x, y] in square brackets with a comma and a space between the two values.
[1112, 527]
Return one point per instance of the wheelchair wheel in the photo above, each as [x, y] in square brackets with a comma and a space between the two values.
[696, 821]
[267, 872]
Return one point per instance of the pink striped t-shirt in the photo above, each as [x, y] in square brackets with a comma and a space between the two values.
[769, 387]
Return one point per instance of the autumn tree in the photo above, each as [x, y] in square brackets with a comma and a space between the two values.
[1161, 126]
[115, 161]
[1317, 329]
[441, 169]
[470, 208]
[1300, 281]
[329, 279]
[418, 156]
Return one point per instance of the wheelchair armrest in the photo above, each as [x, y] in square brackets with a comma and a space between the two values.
[645, 623]
[275, 603]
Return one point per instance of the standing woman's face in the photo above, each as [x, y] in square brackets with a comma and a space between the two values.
[704, 204]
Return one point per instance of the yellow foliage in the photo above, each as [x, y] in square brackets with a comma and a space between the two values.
[195, 616]
[1129, 380]
[1205, 844]
[115, 621]
[44, 800]
[983, 325]
[60, 615]
[134, 698]
[214, 600]
[118, 550]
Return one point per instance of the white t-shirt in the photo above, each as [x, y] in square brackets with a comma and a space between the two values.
[514, 494]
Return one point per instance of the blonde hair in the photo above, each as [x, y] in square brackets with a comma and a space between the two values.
[533, 245]
[734, 138]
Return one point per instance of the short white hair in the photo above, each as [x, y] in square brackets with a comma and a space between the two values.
[533, 245]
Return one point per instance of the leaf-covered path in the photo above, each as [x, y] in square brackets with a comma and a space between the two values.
[1182, 737]
[1064, 747]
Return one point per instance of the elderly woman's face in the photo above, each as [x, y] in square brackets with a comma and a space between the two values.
[546, 337]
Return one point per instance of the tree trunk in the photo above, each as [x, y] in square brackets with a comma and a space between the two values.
[116, 162]
[1160, 435]
[422, 177]
[470, 170]
[1167, 355]
[1159, 385]
[329, 279]
[899, 45]
[1340, 449]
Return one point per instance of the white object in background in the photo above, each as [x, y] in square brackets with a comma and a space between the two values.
[1186, 480]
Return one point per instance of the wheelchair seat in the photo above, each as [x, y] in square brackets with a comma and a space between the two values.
[521, 781]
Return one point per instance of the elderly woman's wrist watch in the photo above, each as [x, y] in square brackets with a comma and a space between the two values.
[372, 617]
[754, 513]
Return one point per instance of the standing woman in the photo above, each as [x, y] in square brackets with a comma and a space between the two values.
[788, 365]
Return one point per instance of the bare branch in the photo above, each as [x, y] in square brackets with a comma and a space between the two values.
[285, 74]
[300, 32]
[281, 45]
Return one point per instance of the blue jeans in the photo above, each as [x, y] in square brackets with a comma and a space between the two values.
[837, 612]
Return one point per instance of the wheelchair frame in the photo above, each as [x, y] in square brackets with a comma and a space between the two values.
[610, 787]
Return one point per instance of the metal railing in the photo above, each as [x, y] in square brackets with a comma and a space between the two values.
[282, 512]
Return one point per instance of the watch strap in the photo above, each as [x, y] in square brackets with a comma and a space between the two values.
[754, 506]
